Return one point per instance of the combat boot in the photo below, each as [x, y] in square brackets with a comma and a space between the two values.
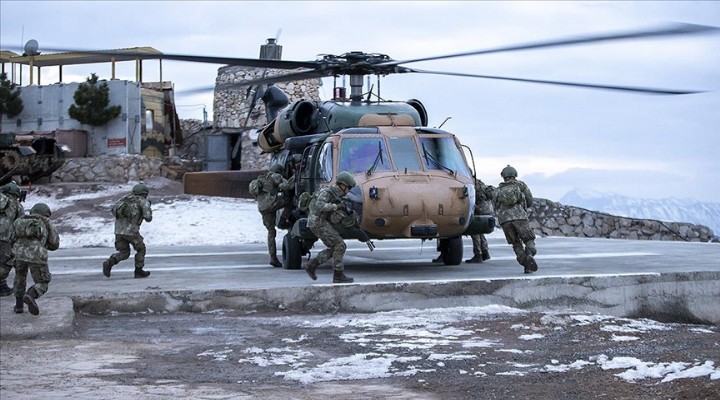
[531, 264]
[19, 305]
[275, 262]
[107, 266]
[139, 273]
[29, 299]
[310, 268]
[485, 255]
[475, 260]
[5, 290]
[340, 277]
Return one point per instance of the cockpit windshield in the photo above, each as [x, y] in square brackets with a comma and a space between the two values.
[370, 154]
[442, 153]
[364, 155]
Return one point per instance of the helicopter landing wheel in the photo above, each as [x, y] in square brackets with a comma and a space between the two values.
[452, 250]
[291, 252]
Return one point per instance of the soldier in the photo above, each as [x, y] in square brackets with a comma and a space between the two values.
[513, 201]
[269, 191]
[129, 212]
[10, 210]
[323, 211]
[483, 206]
[34, 235]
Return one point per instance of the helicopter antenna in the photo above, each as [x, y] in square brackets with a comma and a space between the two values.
[369, 85]
[443, 123]
[370, 92]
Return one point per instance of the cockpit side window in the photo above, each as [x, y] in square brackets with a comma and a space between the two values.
[443, 153]
[404, 152]
[325, 163]
[363, 155]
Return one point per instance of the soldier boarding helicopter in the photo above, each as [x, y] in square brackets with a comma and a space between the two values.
[412, 181]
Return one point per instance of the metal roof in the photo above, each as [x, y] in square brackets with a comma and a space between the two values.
[6, 55]
[80, 57]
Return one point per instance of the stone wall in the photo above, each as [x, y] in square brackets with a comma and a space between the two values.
[230, 107]
[114, 169]
[554, 219]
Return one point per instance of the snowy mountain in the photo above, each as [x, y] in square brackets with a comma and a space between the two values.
[671, 210]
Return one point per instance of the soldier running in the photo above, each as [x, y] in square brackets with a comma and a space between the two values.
[513, 200]
[34, 235]
[10, 210]
[129, 212]
[323, 212]
[483, 206]
[269, 191]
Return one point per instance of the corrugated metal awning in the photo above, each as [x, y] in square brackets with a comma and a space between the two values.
[94, 57]
[6, 55]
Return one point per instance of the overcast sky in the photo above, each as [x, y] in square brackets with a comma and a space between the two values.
[558, 138]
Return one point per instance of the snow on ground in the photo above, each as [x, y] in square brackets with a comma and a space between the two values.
[428, 335]
[179, 221]
[183, 220]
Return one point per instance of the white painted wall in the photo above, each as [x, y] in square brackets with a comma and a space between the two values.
[45, 108]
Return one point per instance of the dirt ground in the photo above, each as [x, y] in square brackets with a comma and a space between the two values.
[226, 355]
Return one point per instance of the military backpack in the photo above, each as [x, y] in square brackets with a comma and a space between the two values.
[255, 187]
[126, 208]
[304, 201]
[30, 228]
[509, 195]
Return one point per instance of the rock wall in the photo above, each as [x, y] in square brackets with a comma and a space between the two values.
[114, 169]
[554, 219]
[231, 108]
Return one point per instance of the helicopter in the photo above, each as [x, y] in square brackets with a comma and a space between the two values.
[413, 181]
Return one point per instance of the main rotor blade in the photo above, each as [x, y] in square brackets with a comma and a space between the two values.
[261, 81]
[197, 90]
[245, 62]
[672, 30]
[574, 84]
[152, 54]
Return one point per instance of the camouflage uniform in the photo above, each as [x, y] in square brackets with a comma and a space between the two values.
[127, 233]
[10, 211]
[34, 235]
[323, 213]
[269, 200]
[483, 206]
[512, 215]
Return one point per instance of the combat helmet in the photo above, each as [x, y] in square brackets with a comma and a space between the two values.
[12, 188]
[140, 189]
[508, 172]
[276, 168]
[346, 179]
[41, 209]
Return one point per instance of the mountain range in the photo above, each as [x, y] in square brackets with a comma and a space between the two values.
[669, 209]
